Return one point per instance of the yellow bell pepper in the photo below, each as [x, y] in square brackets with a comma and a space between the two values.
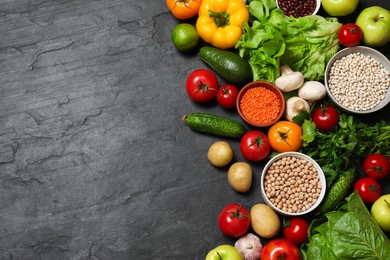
[220, 22]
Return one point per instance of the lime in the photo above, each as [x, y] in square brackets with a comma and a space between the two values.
[185, 37]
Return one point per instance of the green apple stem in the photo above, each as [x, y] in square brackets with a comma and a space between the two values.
[387, 202]
[220, 257]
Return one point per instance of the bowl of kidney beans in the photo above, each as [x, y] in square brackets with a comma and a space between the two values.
[299, 8]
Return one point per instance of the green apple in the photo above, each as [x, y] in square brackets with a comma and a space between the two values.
[339, 7]
[224, 252]
[380, 211]
[375, 24]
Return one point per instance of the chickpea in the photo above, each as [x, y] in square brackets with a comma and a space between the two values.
[292, 184]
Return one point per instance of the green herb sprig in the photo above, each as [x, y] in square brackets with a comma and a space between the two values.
[351, 140]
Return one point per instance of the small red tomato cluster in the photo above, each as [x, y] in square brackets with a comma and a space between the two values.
[376, 168]
[202, 86]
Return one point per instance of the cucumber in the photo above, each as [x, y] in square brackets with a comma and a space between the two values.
[229, 65]
[215, 125]
[338, 191]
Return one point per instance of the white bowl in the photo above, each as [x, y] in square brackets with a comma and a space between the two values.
[320, 174]
[368, 52]
[318, 6]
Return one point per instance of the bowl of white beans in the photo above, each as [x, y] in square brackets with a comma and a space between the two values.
[357, 80]
[293, 184]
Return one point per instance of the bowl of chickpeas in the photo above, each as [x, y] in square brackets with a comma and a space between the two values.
[357, 80]
[293, 184]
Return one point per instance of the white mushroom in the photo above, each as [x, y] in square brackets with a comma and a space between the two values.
[289, 80]
[249, 246]
[312, 91]
[294, 106]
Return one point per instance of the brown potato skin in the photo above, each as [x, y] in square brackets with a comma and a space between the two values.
[264, 220]
[240, 176]
[220, 154]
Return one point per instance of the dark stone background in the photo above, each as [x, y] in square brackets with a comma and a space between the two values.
[95, 161]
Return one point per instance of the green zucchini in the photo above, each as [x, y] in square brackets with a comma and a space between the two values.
[215, 125]
[229, 65]
[338, 191]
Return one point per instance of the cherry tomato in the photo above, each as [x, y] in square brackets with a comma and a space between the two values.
[368, 189]
[234, 220]
[376, 166]
[285, 136]
[350, 34]
[184, 9]
[280, 248]
[326, 118]
[202, 85]
[227, 96]
[255, 145]
[295, 230]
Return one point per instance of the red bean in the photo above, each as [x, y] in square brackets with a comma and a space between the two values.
[297, 8]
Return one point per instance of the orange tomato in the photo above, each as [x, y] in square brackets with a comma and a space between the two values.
[285, 136]
[184, 9]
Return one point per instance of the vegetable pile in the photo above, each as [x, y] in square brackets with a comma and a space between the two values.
[347, 233]
[272, 39]
[339, 150]
[243, 43]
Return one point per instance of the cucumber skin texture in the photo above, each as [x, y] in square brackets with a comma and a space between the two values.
[338, 191]
[229, 65]
[215, 125]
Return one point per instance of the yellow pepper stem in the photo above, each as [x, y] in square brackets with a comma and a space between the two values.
[221, 19]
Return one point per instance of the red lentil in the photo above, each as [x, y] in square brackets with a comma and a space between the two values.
[260, 105]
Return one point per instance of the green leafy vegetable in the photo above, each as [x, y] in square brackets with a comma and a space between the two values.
[336, 150]
[301, 117]
[272, 39]
[348, 233]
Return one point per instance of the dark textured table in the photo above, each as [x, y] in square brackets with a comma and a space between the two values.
[95, 161]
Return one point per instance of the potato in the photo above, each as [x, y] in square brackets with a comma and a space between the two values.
[240, 176]
[220, 154]
[264, 220]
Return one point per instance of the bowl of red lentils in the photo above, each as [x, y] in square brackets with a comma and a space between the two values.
[299, 8]
[260, 103]
[357, 80]
[293, 184]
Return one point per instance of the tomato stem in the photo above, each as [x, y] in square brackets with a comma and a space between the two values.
[182, 1]
[373, 188]
[376, 168]
[237, 214]
[284, 136]
[202, 87]
[258, 142]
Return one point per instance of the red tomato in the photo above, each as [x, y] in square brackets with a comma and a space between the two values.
[255, 145]
[280, 248]
[234, 220]
[227, 96]
[376, 166]
[350, 34]
[326, 118]
[202, 85]
[368, 189]
[295, 230]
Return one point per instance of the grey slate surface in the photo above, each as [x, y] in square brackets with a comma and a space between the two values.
[95, 161]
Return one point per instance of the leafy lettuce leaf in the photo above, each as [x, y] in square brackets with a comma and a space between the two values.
[348, 233]
[271, 39]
